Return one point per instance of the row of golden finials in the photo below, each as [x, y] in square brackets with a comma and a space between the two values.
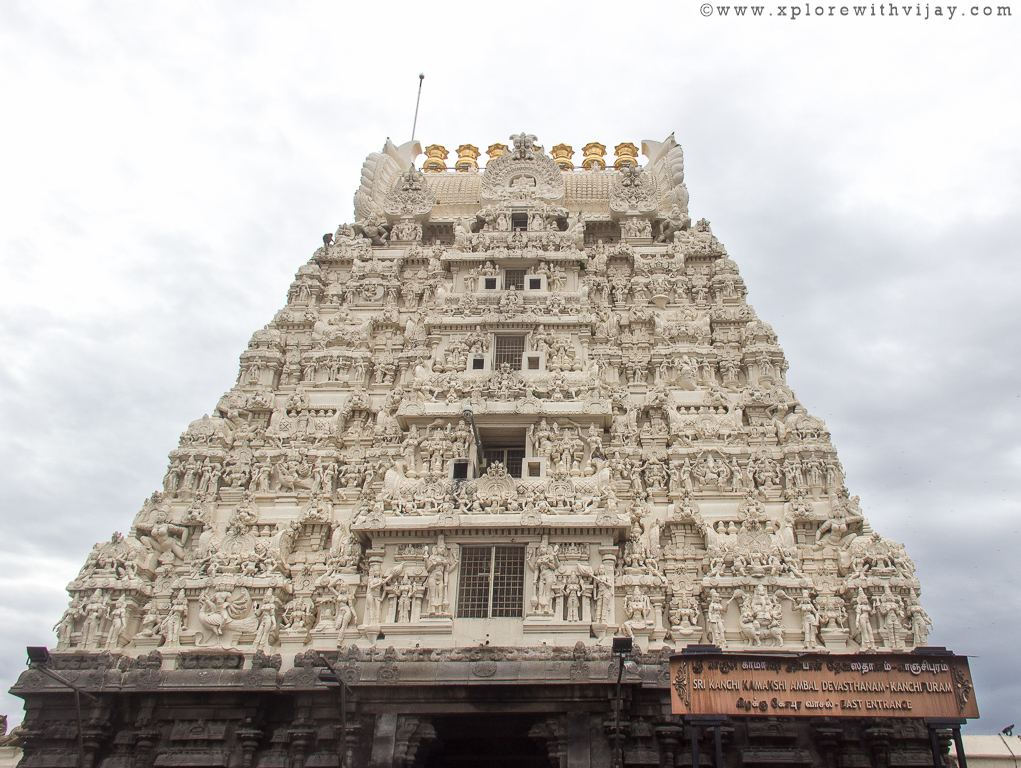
[468, 156]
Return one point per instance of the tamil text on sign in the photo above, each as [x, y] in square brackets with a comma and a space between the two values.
[861, 685]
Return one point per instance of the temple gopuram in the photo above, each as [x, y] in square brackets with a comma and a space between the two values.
[515, 439]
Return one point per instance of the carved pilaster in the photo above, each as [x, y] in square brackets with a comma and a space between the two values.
[413, 733]
[248, 739]
[553, 733]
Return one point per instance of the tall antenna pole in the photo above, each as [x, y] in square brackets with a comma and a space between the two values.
[414, 125]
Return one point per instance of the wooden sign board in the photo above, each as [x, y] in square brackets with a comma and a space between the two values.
[816, 684]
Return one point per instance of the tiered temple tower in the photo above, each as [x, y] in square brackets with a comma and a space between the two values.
[510, 413]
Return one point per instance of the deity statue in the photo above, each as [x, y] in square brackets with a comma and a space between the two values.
[65, 627]
[862, 621]
[118, 623]
[95, 612]
[891, 609]
[638, 610]
[344, 614]
[440, 562]
[374, 591]
[602, 612]
[544, 567]
[403, 591]
[175, 620]
[920, 621]
[269, 623]
[163, 536]
[809, 620]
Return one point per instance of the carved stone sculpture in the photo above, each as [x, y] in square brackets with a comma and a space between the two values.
[530, 393]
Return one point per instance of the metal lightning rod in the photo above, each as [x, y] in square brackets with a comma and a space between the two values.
[414, 125]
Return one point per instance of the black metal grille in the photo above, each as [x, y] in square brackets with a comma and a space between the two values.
[513, 463]
[490, 456]
[491, 576]
[514, 279]
[511, 458]
[509, 349]
[508, 581]
[473, 586]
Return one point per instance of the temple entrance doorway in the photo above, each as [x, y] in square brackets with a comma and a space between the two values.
[486, 741]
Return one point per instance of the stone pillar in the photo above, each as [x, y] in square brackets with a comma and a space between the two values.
[302, 737]
[669, 735]
[579, 746]
[384, 738]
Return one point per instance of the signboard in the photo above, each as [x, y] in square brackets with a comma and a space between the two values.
[815, 684]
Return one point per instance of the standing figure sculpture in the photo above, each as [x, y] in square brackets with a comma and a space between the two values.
[118, 623]
[603, 608]
[545, 564]
[404, 591]
[920, 621]
[344, 610]
[269, 624]
[95, 612]
[890, 608]
[440, 562]
[714, 619]
[863, 622]
[374, 595]
[175, 620]
[65, 627]
[809, 620]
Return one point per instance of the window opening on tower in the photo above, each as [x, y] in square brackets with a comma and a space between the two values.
[509, 349]
[492, 582]
[514, 280]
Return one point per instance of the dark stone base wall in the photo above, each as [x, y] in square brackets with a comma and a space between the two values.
[215, 712]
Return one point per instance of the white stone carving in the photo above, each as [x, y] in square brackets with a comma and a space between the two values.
[379, 173]
[411, 196]
[633, 192]
[526, 173]
[554, 369]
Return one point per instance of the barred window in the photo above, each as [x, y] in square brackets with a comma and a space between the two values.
[508, 581]
[511, 458]
[514, 279]
[474, 585]
[509, 349]
[492, 582]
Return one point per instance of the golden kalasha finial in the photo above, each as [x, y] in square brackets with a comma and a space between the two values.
[467, 158]
[563, 153]
[627, 154]
[435, 159]
[594, 153]
[495, 151]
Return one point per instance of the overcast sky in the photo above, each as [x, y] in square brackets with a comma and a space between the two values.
[165, 168]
